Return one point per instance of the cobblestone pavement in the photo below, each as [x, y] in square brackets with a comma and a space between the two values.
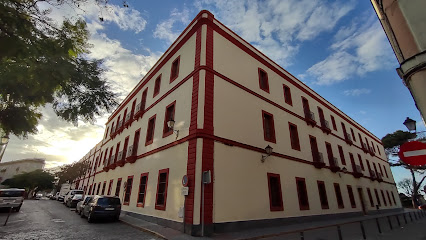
[50, 219]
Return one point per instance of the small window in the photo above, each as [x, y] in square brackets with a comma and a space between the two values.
[161, 199]
[136, 142]
[390, 202]
[338, 195]
[106, 133]
[302, 193]
[175, 69]
[386, 172]
[99, 188]
[361, 163]
[353, 135]
[381, 171]
[377, 197]
[157, 85]
[275, 193]
[103, 188]
[384, 199]
[150, 131]
[117, 188]
[378, 149]
[342, 155]
[263, 80]
[351, 196]
[268, 127]
[287, 95]
[112, 128]
[294, 137]
[110, 187]
[169, 115]
[143, 100]
[370, 197]
[333, 121]
[142, 189]
[128, 189]
[393, 198]
[322, 194]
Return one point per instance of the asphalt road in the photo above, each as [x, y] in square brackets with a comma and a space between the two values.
[50, 219]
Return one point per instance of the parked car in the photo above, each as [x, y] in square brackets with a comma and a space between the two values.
[38, 196]
[81, 204]
[12, 198]
[56, 196]
[71, 194]
[72, 201]
[101, 207]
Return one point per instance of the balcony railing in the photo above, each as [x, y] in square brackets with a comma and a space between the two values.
[128, 119]
[325, 126]
[138, 111]
[357, 171]
[364, 147]
[310, 118]
[373, 175]
[131, 155]
[121, 159]
[319, 160]
[348, 138]
[379, 177]
[334, 164]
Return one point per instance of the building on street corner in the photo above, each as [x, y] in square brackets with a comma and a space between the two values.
[12, 168]
[276, 151]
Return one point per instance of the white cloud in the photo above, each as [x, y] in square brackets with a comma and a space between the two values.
[356, 92]
[356, 50]
[164, 30]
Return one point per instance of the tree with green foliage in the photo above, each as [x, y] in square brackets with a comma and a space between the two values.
[37, 180]
[43, 63]
[71, 172]
[392, 142]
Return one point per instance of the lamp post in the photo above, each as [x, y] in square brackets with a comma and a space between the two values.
[3, 145]
[410, 124]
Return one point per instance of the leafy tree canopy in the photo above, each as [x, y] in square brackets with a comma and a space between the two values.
[72, 171]
[42, 63]
[397, 138]
[37, 179]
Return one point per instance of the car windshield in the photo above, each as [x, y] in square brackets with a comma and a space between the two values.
[108, 201]
[5, 193]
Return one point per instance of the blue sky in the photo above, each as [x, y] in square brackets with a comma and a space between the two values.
[337, 48]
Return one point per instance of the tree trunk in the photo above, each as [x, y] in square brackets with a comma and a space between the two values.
[415, 190]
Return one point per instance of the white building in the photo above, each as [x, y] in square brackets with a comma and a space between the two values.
[229, 102]
[12, 168]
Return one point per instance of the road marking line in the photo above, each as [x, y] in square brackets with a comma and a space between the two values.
[415, 153]
[16, 221]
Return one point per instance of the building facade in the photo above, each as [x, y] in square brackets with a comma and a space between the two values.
[12, 168]
[404, 24]
[276, 150]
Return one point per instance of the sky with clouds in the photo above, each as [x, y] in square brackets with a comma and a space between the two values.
[338, 48]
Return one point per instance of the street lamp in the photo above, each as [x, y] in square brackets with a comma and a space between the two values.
[410, 124]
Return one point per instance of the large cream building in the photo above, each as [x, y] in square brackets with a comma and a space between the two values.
[12, 168]
[230, 104]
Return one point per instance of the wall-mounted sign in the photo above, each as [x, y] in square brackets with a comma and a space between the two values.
[185, 181]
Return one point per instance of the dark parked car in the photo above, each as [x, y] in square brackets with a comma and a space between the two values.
[101, 207]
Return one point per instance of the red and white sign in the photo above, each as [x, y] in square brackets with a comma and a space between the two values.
[413, 153]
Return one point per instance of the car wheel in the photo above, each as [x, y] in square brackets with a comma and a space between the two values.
[90, 217]
[81, 214]
[18, 208]
[116, 218]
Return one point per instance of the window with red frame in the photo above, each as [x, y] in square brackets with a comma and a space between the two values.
[353, 135]
[106, 133]
[378, 149]
[287, 95]
[387, 193]
[381, 170]
[384, 199]
[361, 163]
[294, 136]
[351, 196]
[100, 159]
[143, 100]
[302, 193]
[169, 115]
[275, 193]
[103, 188]
[116, 152]
[133, 109]
[342, 155]
[161, 198]
[118, 187]
[128, 190]
[136, 141]
[263, 80]
[142, 189]
[338, 195]
[393, 198]
[377, 197]
[370, 197]
[268, 127]
[112, 127]
[157, 85]
[110, 187]
[99, 188]
[150, 131]
[322, 194]
[386, 172]
[175, 69]
[333, 122]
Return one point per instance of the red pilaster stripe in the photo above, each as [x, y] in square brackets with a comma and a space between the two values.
[208, 144]
[192, 144]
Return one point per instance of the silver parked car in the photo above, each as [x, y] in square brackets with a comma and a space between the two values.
[81, 204]
[72, 201]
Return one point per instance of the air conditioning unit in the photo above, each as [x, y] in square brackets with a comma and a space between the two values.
[112, 159]
[120, 155]
[372, 174]
[138, 108]
[130, 151]
[113, 129]
[335, 162]
[326, 124]
[348, 136]
[365, 146]
[379, 176]
[320, 157]
[358, 169]
[311, 115]
[120, 123]
[127, 117]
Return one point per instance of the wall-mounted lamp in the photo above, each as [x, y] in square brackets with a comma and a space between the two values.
[410, 124]
[171, 125]
[268, 151]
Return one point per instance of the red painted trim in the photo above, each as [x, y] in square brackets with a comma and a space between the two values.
[351, 196]
[126, 188]
[138, 203]
[157, 206]
[377, 197]
[333, 121]
[370, 197]
[390, 202]
[103, 188]
[287, 95]
[384, 199]
[259, 72]
[175, 64]
[110, 186]
[339, 197]
[118, 187]
[301, 192]
[150, 130]
[294, 136]
[322, 188]
[166, 131]
[259, 56]
[342, 155]
[280, 207]
[157, 85]
[272, 138]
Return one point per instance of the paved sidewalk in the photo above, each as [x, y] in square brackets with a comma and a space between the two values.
[313, 230]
